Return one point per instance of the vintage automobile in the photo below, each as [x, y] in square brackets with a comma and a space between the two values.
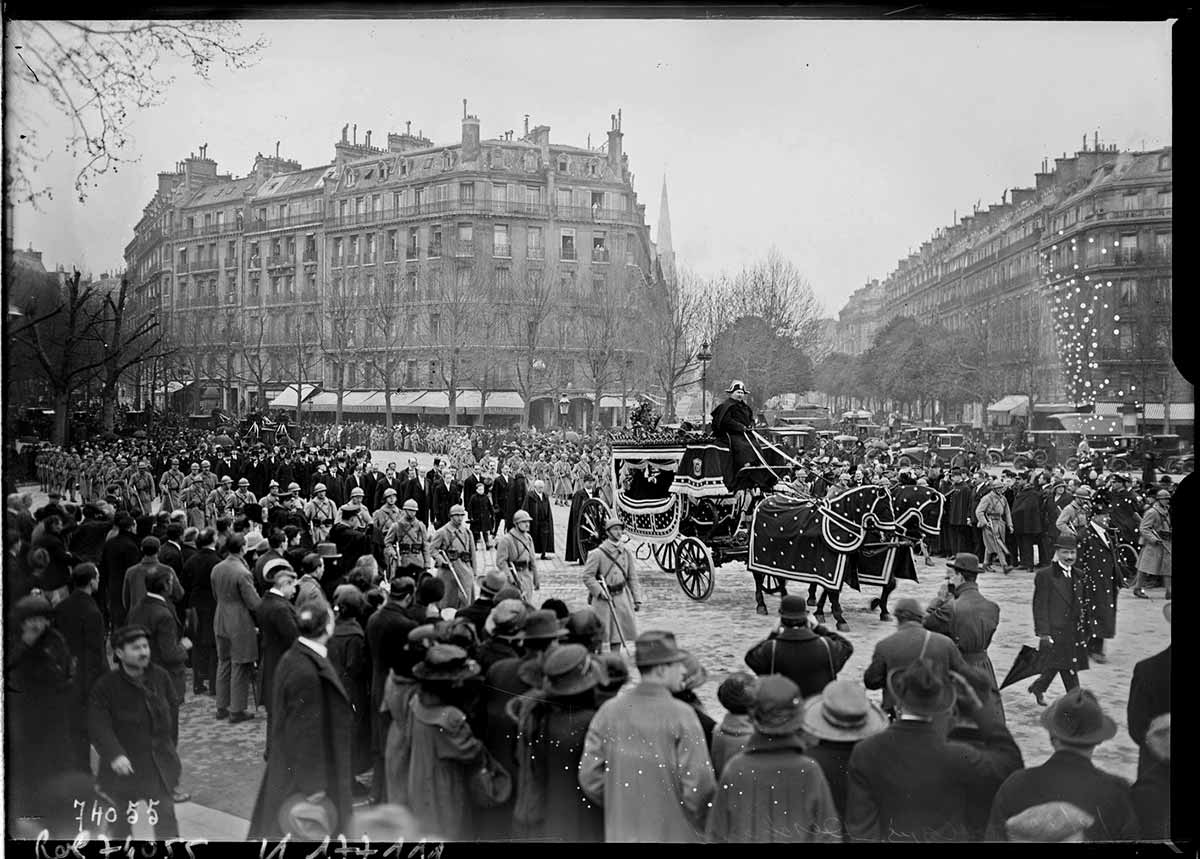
[915, 444]
[796, 439]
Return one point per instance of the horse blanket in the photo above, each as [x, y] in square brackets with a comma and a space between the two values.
[849, 539]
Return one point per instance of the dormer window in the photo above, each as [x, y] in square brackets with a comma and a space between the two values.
[403, 167]
[447, 161]
[350, 178]
[562, 165]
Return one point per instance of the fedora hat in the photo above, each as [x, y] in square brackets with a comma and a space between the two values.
[308, 820]
[506, 620]
[965, 562]
[328, 550]
[842, 713]
[570, 670]
[1066, 541]
[920, 689]
[656, 648]
[493, 581]
[446, 662]
[1076, 719]
[778, 708]
[540, 625]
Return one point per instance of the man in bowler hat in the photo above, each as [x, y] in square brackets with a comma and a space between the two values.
[1058, 592]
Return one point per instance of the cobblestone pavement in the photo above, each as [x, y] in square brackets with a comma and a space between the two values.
[223, 763]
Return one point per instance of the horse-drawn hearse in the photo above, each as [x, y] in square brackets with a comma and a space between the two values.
[670, 492]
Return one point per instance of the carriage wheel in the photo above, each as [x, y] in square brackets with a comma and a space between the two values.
[994, 458]
[590, 530]
[664, 555]
[1072, 463]
[1039, 458]
[1020, 462]
[905, 461]
[694, 568]
[958, 461]
[1119, 464]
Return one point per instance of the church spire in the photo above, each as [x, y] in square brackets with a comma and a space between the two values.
[666, 251]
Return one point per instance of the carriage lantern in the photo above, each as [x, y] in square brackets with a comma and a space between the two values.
[703, 356]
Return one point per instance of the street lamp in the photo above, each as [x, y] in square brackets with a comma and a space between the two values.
[704, 356]
[564, 405]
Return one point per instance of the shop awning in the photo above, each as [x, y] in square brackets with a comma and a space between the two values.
[1179, 411]
[1013, 404]
[174, 387]
[287, 399]
[498, 402]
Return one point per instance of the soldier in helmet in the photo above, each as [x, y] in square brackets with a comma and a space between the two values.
[516, 557]
[453, 550]
[385, 517]
[320, 512]
[242, 496]
[143, 488]
[407, 540]
[362, 519]
[220, 501]
[170, 485]
[611, 582]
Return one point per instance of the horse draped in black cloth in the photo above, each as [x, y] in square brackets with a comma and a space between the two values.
[855, 537]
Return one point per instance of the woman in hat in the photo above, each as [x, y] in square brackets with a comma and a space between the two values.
[552, 723]
[443, 751]
[398, 692]
[695, 676]
[834, 721]
[736, 695]
[772, 792]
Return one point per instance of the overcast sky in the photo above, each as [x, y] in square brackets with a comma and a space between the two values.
[844, 144]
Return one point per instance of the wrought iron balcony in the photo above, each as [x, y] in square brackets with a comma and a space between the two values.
[568, 255]
[599, 254]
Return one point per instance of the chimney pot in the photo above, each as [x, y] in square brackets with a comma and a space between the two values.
[464, 108]
[526, 125]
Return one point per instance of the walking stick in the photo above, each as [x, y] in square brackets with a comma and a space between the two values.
[612, 609]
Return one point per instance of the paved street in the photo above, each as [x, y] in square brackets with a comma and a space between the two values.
[223, 762]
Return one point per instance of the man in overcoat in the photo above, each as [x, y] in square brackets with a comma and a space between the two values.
[910, 642]
[959, 510]
[408, 542]
[233, 625]
[129, 723]
[516, 557]
[277, 625]
[1058, 591]
[910, 782]
[168, 646]
[588, 490]
[537, 505]
[969, 619]
[1097, 565]
[499, 490]
[312, 726]
[1149, 698]
[81, 623]
[1155, 556]
[994, 519]
[1027, 521]
[453, 549]
[616, 600]
[802, 650]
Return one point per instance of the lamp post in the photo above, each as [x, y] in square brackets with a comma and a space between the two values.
[564, 405]
[704, 356]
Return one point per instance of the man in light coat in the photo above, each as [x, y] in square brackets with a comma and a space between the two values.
[644, 759]
[612, 586]
[233, 625]
[1155, 557]
[994, 519]
[453, 549]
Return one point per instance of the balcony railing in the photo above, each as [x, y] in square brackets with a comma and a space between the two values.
[567, 254]
[310, 256]
[391, 255]
[518, 208]
[464, 248]
[435, 250]
[255, 261]
[410, 253]
[282, 260]
[504, 251]
[538, 252]
[308, 295]
[1130, 214]
[599, 254]
[259, 225]
[203, 265]
[370, 258]
[231, 261]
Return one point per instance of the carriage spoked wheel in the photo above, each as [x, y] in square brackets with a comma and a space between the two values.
[1127, 558]
[694, 568]
[590, 530]
[664, 555]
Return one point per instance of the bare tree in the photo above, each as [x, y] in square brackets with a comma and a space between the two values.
[341, 310]
[533, 286]
[488, 324]
[459, 299]
[774, 290]
[255, 364]
[386, 336]
[609, 320]
[99, 75]
[304, 362]
[676, 326]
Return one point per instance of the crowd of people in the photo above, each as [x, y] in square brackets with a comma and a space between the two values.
[413, 690]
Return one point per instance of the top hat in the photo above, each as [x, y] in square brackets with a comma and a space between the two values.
[446, 662]
[1076, 719]
[920, 689]
[570, 670]
[966, 562]
[778, 708]
[1066, 541]
[328, 550]
[793, 607]
[542, 625]
[842, 713]
[657, 648]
